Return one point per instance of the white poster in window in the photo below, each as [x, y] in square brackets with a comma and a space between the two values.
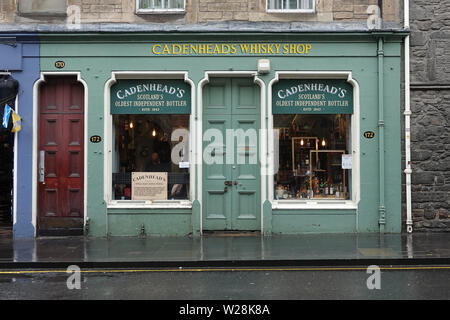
[183, 165]
[346, 161]
[149, 185]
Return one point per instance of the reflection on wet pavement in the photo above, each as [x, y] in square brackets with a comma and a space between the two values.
[211, 247]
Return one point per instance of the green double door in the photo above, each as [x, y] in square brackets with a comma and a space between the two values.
[231, 165]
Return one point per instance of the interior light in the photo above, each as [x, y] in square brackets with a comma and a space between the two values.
[154, 133]
[131, 125]
[323, 142]
[302, 142]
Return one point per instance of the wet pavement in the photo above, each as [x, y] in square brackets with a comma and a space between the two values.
[243, 250]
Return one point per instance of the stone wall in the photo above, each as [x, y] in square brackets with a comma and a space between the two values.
[7, 11]
[430, 120]
[198, 11]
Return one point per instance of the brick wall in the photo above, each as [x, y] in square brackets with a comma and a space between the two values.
[198, 11]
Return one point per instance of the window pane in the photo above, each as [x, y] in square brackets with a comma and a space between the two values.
[176, 4]
[143, 143]
[290, 4]
[306, 4]
[310, 156]
[144, 4]
[157, 4]
[161, 4]
[275, 4]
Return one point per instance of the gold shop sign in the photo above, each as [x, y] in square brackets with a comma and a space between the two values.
[231, 49]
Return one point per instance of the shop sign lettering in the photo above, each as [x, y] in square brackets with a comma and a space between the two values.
[312, 96]
[230, 49]
[150, 97]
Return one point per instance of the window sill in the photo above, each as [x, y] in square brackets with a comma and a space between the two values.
[146, 204]
[314, 204]
[42, 14]
[160, 11]
[291, 11]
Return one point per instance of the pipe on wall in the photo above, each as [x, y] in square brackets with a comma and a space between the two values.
[381, 206]
[380, 7]
[407, 113]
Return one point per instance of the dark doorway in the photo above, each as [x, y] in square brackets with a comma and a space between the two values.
[6, 181]
[8, 92]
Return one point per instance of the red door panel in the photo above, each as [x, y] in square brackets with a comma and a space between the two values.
[61, 139]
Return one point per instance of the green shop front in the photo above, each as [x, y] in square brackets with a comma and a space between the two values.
[188, 133]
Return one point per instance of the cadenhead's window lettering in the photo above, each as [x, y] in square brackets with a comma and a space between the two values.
[312, 96]
[150, 97]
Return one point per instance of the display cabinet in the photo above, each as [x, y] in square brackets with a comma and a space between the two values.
[327, 178]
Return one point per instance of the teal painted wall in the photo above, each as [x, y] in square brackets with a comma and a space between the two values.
[313, 221]
[96, 56]
[156, 223]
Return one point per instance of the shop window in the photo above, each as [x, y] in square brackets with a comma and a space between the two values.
[160, 5]
[291, 5]
[313, 149]
[152, 145]
[42, 6]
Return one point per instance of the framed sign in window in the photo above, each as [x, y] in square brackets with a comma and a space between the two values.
[149, 186]
[151, 97]
[316, 96]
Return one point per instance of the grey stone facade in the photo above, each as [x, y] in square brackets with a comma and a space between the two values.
[196, 11]
[430, 120]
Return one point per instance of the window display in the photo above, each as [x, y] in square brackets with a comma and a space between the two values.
[146, 144]
[311, 148]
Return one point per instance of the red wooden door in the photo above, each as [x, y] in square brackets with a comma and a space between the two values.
[61, 156]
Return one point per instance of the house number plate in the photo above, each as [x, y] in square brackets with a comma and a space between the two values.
[95, 139]
[369, 134]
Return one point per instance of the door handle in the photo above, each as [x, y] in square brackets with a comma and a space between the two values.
[225, 189]
[228, 183]
[42, 166]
